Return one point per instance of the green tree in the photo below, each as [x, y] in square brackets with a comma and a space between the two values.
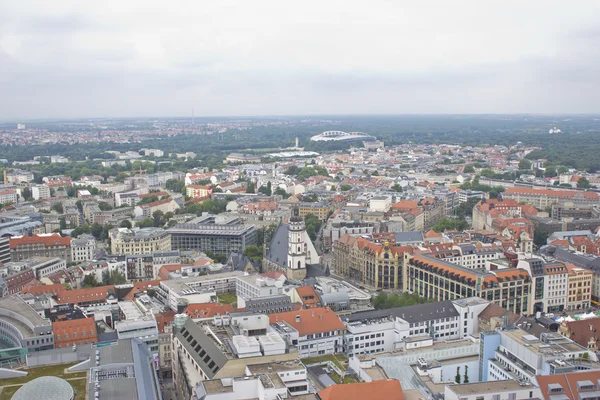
[26, 194]
[126, 224]
[469, 169]
[345, 187]
[114, 277]
[62, 223]
[457, 377]
[58, 207]
[148, 199]
[281, 192]
[121, 176]
[451, 225]
[96, 230]
[90, 281]
[158, 217]
[583, 183]
[540, 237]
[466, 375]
[254, 252]
[313, 224]
[145, 223]
[216, 257]
[175, 185]
[250, 188]
[550, 172]
[104, 206]
[266, 190]
[383, 300]
[397, 188]
[524, 164]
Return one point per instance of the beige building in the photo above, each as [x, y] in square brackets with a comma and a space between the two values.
[374, 264]
[580, 288]
[139, 240]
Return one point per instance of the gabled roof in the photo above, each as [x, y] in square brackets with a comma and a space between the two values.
[85, 294]
[389, 389]
[310, 321]
[69, 327]
[48, 240]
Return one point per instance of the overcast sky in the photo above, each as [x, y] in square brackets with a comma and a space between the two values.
[252, 57]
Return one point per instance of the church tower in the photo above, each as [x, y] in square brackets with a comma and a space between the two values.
[297, 247]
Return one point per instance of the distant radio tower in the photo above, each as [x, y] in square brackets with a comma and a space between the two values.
[193, 118]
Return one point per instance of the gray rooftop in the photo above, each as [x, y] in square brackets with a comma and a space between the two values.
[411, 314]
[409, 237]
[125, 370]
[278, 247]
[205, 352]
[13, 308]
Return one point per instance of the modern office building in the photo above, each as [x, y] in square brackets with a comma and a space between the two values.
[410, 327]
[513, 353]
[200, 289]
[209, 233]
[436, 279]
[22, 330]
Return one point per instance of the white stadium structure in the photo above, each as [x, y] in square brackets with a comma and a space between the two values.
[331, 136]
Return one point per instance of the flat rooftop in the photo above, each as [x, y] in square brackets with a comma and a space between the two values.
[14, 306]
[489, 387]
[276, 367]
[556, 342]
[172, 284]
[216, 386]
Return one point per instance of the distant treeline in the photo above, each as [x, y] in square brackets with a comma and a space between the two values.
[577, 146]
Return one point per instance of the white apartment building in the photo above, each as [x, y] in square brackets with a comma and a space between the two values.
[8, 195]
[315, 331]
[40, 192]
[253, 286]
[410, 327]
[83, 248]
[129, 199]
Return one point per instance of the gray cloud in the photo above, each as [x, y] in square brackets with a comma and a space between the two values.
[242, 58]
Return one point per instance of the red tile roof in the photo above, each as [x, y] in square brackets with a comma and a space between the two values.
[311, 321]
[389, 389]
[85, 294]
[565, 194]
[47, 240]
[69, 332]
[44, 289]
